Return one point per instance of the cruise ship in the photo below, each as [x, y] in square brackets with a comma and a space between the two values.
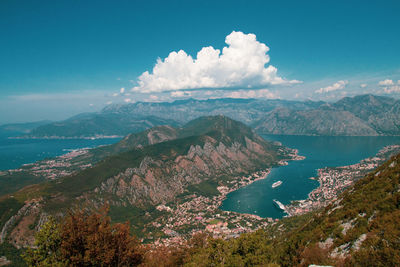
[276, 184]
[279, 205]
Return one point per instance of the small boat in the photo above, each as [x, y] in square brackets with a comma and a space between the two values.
[279, 205]
[276, 184]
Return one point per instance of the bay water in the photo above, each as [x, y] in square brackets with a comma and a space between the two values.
[320, 151]
[16, 152]
[256, 198]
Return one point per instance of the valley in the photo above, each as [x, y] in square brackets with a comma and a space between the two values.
[199, 133]
[145, 170]
[208, 160]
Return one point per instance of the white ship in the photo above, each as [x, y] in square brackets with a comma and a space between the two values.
[276, 184]
[279, 205]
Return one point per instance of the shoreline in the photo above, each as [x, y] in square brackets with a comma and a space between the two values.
[335, 180]
[66, 137]
[55, 167]
[204, 213]
[294, 157]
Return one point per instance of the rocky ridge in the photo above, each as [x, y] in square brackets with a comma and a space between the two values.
[363, 115]
[155, 167]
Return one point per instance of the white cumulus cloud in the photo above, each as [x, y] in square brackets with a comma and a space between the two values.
[392, 89]
[242, 63]
[386, 82]
[153, 98]
[363, 85]
[122, 90]
[389, 86]
[263, 93]
[336, 86]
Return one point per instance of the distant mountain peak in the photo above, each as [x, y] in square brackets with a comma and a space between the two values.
[359, 115]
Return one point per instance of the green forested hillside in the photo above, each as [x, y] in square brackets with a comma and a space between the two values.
[360, 229]
[142, 171]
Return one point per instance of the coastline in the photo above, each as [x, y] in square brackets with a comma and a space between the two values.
[52, 168]
[204, 214]
[335, 180]
[66, 137]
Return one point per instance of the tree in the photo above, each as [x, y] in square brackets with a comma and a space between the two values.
[91, 240]
[47, 246]
[85, 239]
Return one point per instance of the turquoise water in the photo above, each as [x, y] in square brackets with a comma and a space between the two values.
[320, 152]
[15, 152]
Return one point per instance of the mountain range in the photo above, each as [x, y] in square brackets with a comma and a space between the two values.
[143, 175]
[143, 170]
[16, 129]
[359, 228]
[364, 115]
[163, 173]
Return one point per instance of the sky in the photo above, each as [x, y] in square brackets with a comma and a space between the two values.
[61, 58]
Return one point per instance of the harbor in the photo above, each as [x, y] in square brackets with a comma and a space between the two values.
[257, 198]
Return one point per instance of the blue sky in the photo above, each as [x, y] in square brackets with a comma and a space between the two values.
[60, 58]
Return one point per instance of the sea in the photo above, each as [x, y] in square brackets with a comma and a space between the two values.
[320, 151]
[16, 152]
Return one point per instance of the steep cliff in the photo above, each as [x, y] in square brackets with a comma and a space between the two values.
[151, 168]
[323, 121]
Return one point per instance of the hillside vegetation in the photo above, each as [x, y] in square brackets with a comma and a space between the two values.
[359, 229]
[157, 166]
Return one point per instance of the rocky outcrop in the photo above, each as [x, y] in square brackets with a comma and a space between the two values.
[158, 181]
[18, 230]
[314, 122]
[381, 113]
[151, 168]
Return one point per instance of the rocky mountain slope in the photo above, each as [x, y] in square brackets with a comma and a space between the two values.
[356, 116]
[124, 119]
[364, 115]
[381, 113]
[78, 160]
[359, 228]
[150, 168]
[323, 121]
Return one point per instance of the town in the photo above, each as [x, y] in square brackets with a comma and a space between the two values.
[197, 213]
[334, 180]
[55, 168]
